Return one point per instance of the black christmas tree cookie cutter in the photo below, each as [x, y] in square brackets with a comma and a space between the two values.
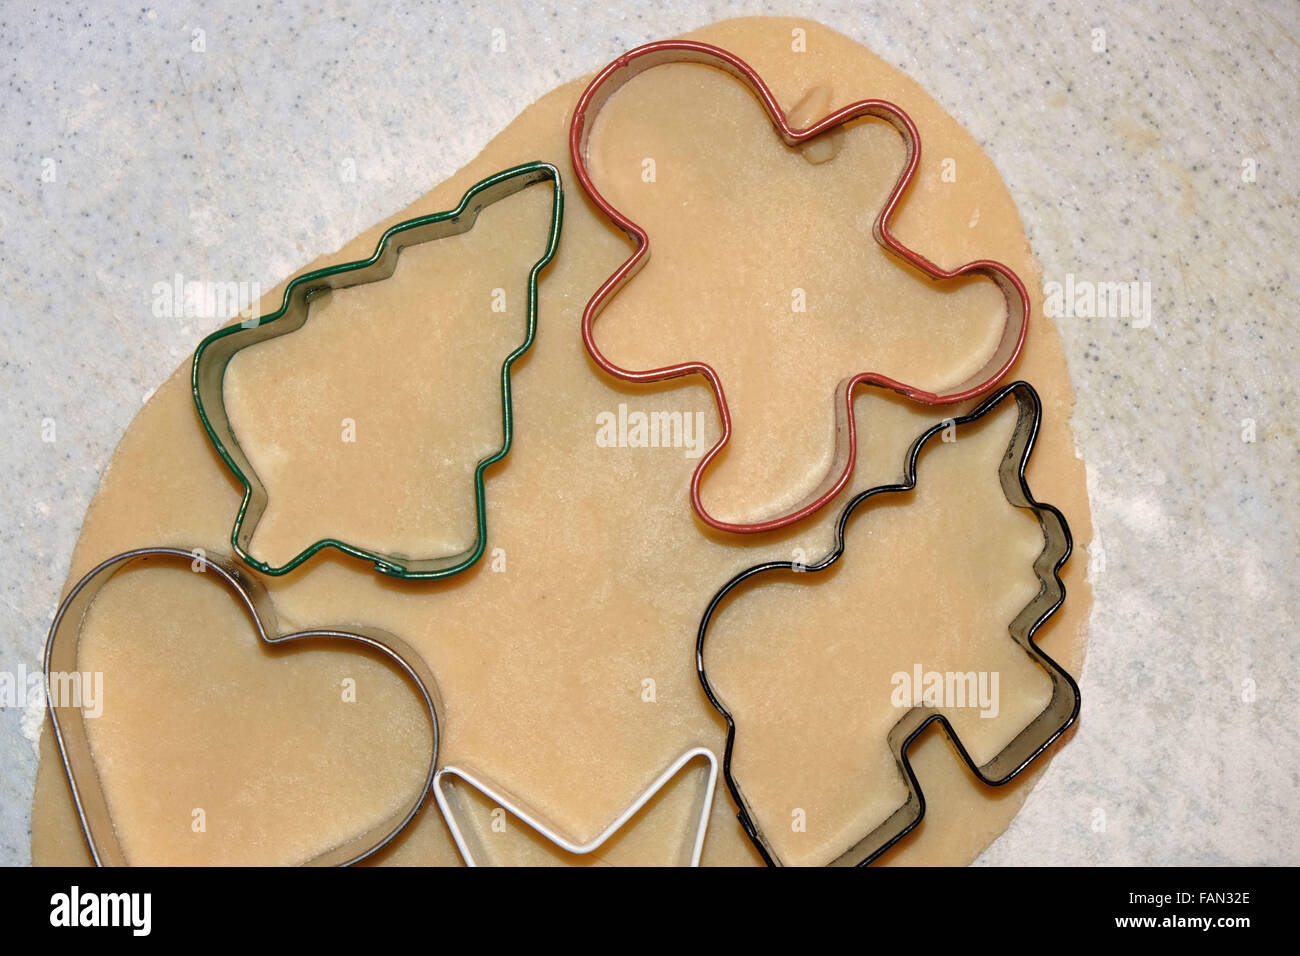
[1062, 707]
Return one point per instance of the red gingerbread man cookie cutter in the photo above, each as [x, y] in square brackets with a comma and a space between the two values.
[1004, 356]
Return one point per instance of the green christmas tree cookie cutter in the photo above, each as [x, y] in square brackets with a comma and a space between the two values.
[215, 352]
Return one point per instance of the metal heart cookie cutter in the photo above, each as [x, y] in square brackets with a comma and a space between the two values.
[1061, 709]
[215, 352]
[534, 822]
[1004, 356]
[68, 721]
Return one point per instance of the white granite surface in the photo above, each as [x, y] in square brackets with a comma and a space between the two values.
[1127, 165]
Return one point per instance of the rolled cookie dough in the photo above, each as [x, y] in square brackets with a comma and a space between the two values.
[545, 652]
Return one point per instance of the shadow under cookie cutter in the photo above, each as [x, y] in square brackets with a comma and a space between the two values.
[1004, 356]
[68, 721]
[1046, 727]
[215, 352]
[533, 822]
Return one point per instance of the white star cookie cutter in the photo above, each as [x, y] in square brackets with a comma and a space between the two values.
[513, 807]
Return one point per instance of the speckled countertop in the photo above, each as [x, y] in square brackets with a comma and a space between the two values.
[1165, 158]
